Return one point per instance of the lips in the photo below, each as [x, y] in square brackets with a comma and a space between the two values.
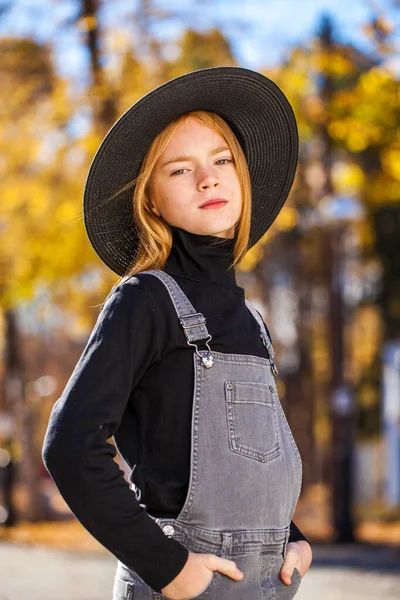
[213, 201]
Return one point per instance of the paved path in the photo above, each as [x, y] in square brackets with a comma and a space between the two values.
[354, 572]
[38, 573]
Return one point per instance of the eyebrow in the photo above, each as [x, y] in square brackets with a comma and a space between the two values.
[183, 158]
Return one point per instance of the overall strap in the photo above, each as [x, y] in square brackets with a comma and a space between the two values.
[192, 322]
[264, 336]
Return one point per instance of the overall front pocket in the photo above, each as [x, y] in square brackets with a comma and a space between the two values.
[252, 420]
[205, 593]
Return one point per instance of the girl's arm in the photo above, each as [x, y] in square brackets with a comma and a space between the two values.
[121, 346]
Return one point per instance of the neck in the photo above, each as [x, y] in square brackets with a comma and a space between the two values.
[205, 258]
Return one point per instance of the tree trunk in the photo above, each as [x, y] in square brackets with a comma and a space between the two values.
[23, 452]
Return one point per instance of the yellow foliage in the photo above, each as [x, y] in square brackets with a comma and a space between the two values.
[381, 189]
[366, 233]
[251, 258]
[315, 108]
[373, 80]
[322, 430]
[287, 218]
[390, 159]
[87, 23]
[357, 140]
[44, 167]
[66, 211]
[338, 130]
[348, 177]
[367, 327]
[367, 397]
[38, 206]
[331, 62]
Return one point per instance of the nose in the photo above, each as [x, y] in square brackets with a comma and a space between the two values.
[207, 179]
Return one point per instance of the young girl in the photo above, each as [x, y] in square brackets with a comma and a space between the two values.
[179, 368]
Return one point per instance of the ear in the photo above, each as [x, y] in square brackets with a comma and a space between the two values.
[155, 210]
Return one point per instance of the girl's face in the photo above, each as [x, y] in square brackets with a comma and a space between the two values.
[196, 166]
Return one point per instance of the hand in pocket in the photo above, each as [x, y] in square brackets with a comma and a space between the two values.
[197, 575]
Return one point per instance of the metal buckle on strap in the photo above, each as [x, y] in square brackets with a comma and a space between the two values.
[205, 355]
[207, 359]
[203, 320]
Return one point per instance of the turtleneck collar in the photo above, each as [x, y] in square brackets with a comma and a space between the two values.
[204, 258]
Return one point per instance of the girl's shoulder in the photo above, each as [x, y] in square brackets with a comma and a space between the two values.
[144, 282]
[139, 289]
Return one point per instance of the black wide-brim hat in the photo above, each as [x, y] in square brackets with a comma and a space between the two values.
[254, 107]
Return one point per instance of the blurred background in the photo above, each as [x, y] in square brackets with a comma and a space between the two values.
[326, 276]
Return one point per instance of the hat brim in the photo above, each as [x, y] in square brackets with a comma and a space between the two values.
[255, 108]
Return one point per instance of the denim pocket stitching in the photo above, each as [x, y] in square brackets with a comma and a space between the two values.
[235, 395]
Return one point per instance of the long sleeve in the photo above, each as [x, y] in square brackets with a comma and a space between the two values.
[296, 535]
[122, 345]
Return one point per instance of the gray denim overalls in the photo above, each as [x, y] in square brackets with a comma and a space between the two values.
[246, 470]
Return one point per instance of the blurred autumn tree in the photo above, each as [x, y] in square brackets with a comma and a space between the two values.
[50, 130]
[29, 83]
[347, 108]
[43, 243]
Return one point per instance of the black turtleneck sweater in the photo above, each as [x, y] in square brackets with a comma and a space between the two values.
[134, 382]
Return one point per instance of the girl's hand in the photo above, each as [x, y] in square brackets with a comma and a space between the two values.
[299, 555]
[197, 573]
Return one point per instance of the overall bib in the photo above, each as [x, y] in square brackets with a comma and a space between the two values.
[245, 472]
